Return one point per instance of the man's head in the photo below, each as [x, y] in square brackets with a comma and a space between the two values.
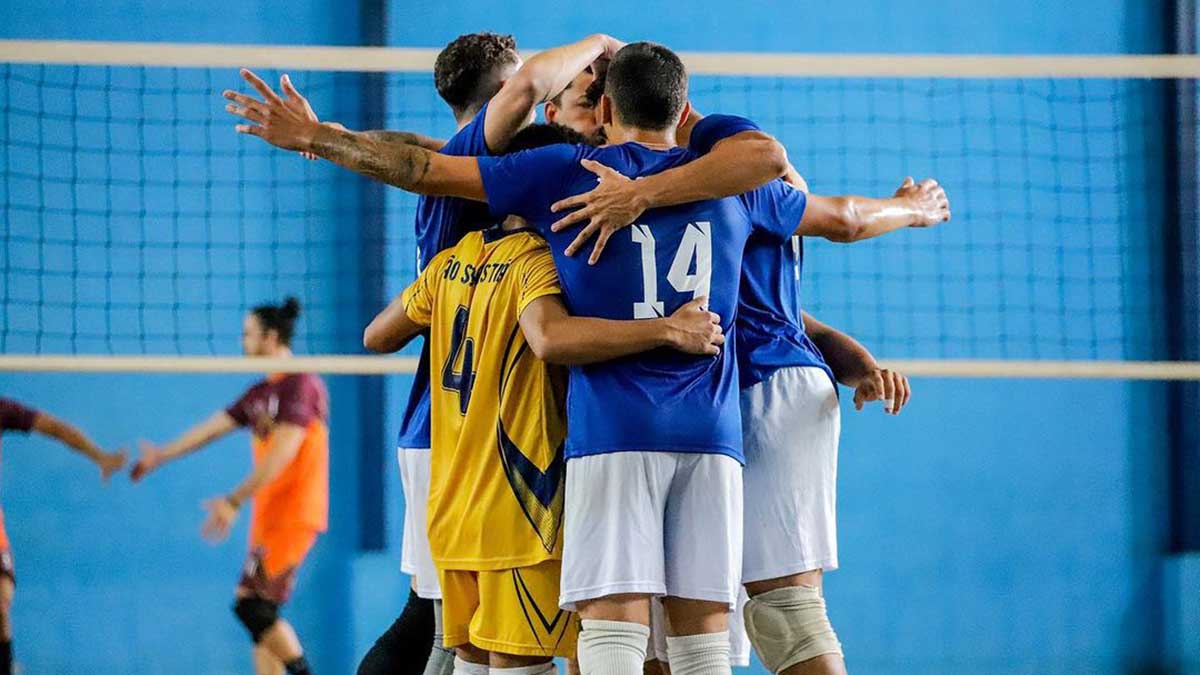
[472, 68]
[645, 88]
[536, 136]
[574, 108]
[267, 329]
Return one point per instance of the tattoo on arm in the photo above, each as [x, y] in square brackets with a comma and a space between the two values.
[388, 159]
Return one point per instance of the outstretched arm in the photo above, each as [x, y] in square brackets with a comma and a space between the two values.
[286, 440]
[850, 219]
[854, 366]
[385, 157]
[555, 336]
[192, 440]
[540, 79]
[73, 437]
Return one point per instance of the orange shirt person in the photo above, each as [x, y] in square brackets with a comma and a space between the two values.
[17, 417]
[288, 417]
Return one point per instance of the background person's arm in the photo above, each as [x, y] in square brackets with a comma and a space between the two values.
[286, 440]
[152, 457]
[73, 437]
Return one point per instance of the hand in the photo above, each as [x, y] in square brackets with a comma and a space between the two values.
[695, 330]
[611, 46]
[111, 462]
[221, 514]
[285, 124]
[613, 204]
[886, 385]
[928, 199]
[151, 458]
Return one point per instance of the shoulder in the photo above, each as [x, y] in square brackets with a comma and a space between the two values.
[469, 140]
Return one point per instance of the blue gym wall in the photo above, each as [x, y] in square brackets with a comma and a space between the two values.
[995, 526]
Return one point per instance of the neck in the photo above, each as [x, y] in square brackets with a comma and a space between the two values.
[660, 139]
[464, 118]
[512, 223]
[281, 353]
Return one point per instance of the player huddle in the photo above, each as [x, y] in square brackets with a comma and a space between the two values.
[622, 458]
[689, 449]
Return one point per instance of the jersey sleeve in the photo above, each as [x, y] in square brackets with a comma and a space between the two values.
[469, 141]
[775, 209]
[539, 278]
[299, 400]
[418, 299]
[526, 183]
[715, 128]
[239, 410]
[16, 417]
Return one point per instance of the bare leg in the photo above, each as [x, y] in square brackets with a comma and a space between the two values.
[826, 664]
[695, 617]
[656, 667]
[6, 596]
[266, 663]
[281, 640]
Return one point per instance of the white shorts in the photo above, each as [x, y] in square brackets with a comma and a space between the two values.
[790, 428]
[661, 523]
[416, 560]
[739, 641]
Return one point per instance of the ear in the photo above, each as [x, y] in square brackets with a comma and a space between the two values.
[684, 114]
[550, 111]
[606, 110]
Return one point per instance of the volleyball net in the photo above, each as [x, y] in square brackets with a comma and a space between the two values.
[138, 226]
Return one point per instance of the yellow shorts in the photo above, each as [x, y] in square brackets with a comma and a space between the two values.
[513, 611]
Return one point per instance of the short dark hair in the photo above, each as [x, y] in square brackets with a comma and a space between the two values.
[648, 85]
[538, 135]
[279, 318]
[467, 71]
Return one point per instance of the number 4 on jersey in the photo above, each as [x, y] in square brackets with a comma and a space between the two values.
[691, 268]
[462, 380]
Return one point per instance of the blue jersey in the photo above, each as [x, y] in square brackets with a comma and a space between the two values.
[661, 400]
[441, 223]
[770, 327]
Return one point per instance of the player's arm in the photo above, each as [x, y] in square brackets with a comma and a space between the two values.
[73, 437]
[555, 336]
[299, 104]
[286, 440]
[386, 158]
[540, 79]
[152, 457]
[740, 163]
[391, 329]
[849, 219]
[854, 366]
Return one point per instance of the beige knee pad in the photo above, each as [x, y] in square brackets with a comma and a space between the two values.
[789, 626]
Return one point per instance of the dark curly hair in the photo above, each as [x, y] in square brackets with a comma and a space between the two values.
[279, 318]
[539, 135]
[469, 71]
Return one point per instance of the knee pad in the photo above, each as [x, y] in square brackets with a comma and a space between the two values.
[789, 626]
[257, 615]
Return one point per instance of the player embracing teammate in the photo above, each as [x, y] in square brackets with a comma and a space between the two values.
[655, 442]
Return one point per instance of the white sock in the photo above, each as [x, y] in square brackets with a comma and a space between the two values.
[614, 648]
[441, 660]
[540, 669]
[704, 654]
[467, 668]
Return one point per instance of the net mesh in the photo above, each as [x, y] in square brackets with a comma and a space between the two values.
[138, 222]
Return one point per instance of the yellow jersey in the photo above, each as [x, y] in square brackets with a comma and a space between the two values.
[498, 417]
